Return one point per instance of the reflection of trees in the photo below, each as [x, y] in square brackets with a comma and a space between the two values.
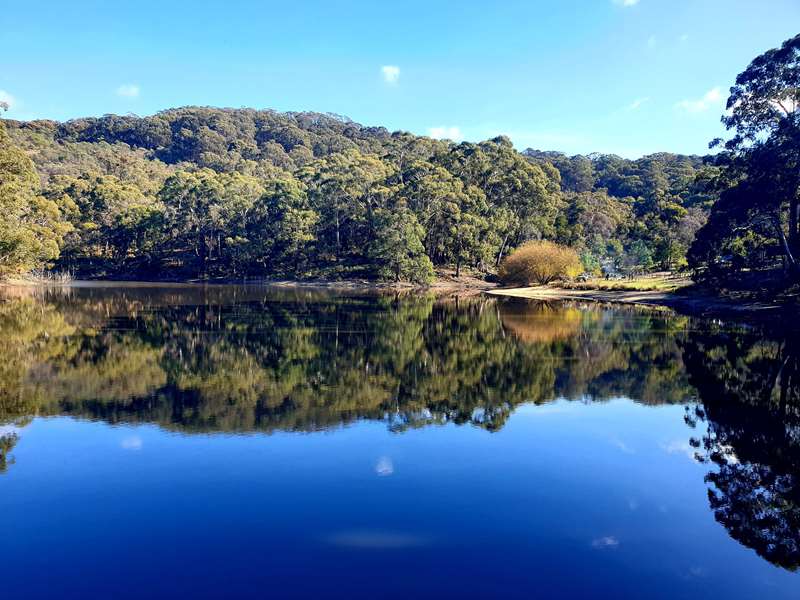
[7, 443]
[750, 388]
[253, 359]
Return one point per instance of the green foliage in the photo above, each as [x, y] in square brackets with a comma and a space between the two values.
[31, 227]
[756, 223]
[397, 250]
[221, 193]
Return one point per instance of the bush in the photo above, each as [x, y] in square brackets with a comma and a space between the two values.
[540, 262]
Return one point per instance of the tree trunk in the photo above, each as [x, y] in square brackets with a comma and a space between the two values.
[338, 242]
[794, 233]
[787, 248]
[502, 249]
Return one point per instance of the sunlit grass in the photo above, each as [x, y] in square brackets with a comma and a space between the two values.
[647, 283]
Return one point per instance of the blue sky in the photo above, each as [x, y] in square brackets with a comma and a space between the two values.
[624, 76]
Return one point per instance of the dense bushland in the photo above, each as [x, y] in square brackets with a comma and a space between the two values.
[204, 192]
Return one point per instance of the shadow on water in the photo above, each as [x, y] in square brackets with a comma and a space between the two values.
[242, 359]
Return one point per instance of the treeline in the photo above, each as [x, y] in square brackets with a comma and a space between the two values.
[204, 192]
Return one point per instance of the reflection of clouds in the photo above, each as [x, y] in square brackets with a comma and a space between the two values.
[376, 540]
[678, 447]
[608, 541]
[133, 442]
[622, 446]
[384, 467]
[729, 454]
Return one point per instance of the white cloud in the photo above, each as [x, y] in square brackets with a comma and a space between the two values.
[128, 90]
[133, 442]
[636, 104]
[391, 73]
[712, 98]
[626, 2]
[446, 133]
[8, 99]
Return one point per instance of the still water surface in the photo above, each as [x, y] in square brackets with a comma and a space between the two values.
[246, 442]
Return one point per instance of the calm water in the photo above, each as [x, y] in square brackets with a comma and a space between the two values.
[242, 442]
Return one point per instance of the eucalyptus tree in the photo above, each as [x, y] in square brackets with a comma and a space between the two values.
[453, 215]
[203, 211]
[765, 148]
[525, 193]
[396, 248]
[344, 189]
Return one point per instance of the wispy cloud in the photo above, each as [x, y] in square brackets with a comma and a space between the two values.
[684, 37]
[128, 90]
[618, 443]
[652, 41]
[7, 99]
[636, 104]
[446, 133]
[712, 98]
[626, 2]
[391, 73]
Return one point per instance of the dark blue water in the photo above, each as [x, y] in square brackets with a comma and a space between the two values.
[235, 442]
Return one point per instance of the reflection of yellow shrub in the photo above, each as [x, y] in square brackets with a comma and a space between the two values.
[540, 262]
[542, 324]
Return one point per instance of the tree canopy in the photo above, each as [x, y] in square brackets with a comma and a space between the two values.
[200, 192]
[756, 222]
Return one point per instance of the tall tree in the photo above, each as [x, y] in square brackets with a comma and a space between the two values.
[396, 247]
[344, 189]
[763, 107]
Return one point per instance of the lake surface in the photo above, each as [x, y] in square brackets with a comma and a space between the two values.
[216, 442]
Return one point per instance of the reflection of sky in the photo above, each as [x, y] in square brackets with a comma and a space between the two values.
[545, 505]
[9, 430]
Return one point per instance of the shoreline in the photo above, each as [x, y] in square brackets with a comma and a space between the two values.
[696, 304]
[462, 286]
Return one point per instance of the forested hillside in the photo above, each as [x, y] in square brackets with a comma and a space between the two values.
[234, 193]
